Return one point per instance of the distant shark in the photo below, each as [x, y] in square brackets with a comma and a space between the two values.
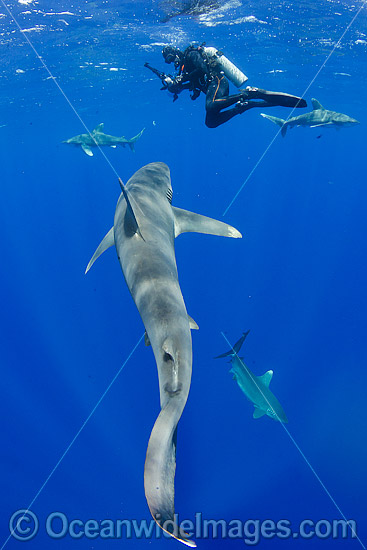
[317, 118]
[98, 138]
[143, 234]
[256, 388]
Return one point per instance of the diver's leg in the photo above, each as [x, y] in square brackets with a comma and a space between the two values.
[217, 97]
[214, 119]
[275, 98]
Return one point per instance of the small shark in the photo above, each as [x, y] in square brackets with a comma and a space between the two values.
[144, 231]
[98, 138]
[256, 388]
[317, 118]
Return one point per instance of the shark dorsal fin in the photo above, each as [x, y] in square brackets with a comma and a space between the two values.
[99, 128]
[131, 223]
[266, 378]
[317, 105]
[189, 222]
[258, 413]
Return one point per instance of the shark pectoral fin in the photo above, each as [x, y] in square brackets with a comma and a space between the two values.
[193, 324]
[87, 150]
[266, 378]
[99, 128]
[189, 222]
[316, 105]
[323, 124]
[258, 413]
[146, 339]
[109, 240]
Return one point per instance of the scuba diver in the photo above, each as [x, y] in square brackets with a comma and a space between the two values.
[205, 70]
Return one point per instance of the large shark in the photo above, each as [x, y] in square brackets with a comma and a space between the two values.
[317, 118]
[144, 230]
[256, 388]
[97, 138]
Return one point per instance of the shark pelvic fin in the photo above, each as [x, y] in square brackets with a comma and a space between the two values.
[108, 240]
[316, 105]
[192, 323]
[130, 215]
[189, 222]
[99, 128]
[258, 413]
[266, 378]
[87, 150]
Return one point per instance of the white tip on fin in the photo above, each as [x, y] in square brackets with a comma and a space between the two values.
[266, 378]
[87, 150]
[99, 128]
[109, 240]
[189, 222]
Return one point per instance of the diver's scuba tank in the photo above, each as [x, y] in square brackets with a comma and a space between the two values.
[237, 77]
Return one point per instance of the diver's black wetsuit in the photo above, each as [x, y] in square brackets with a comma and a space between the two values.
[198, 74]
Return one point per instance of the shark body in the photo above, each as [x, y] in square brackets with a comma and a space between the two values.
[317, 118]
[97, 138]
[145, 226]
[256, 388]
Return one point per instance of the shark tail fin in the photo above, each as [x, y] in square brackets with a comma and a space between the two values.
[107, 241]
[279, 121]
[159, 471]
[131, 142]
[236, 348]
[189, 222]
[130, 211]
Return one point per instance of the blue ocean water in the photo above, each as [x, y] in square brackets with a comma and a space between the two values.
[297, 279]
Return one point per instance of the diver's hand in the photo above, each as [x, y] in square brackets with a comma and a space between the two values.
[173, 85]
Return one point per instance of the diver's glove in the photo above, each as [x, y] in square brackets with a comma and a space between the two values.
[173, 85]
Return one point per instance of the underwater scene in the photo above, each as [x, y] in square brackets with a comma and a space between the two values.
[208, 390]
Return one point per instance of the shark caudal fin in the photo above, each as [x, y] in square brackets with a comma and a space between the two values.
[189, 222]
[236, 348]
[159, 471]
[131, 142]
[279, 121]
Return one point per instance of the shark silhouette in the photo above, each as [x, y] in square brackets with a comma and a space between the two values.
[256, 388]
[98, 138]
[144, 230]
[317, 118]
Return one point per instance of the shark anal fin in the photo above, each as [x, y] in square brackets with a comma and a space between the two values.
[189, 222]
[266, 378]
[87, 150]
[258, 413]
[108, 240]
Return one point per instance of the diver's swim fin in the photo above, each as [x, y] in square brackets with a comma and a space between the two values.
[276, 98]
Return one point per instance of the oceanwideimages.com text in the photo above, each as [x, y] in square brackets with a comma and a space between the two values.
[24, 525]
